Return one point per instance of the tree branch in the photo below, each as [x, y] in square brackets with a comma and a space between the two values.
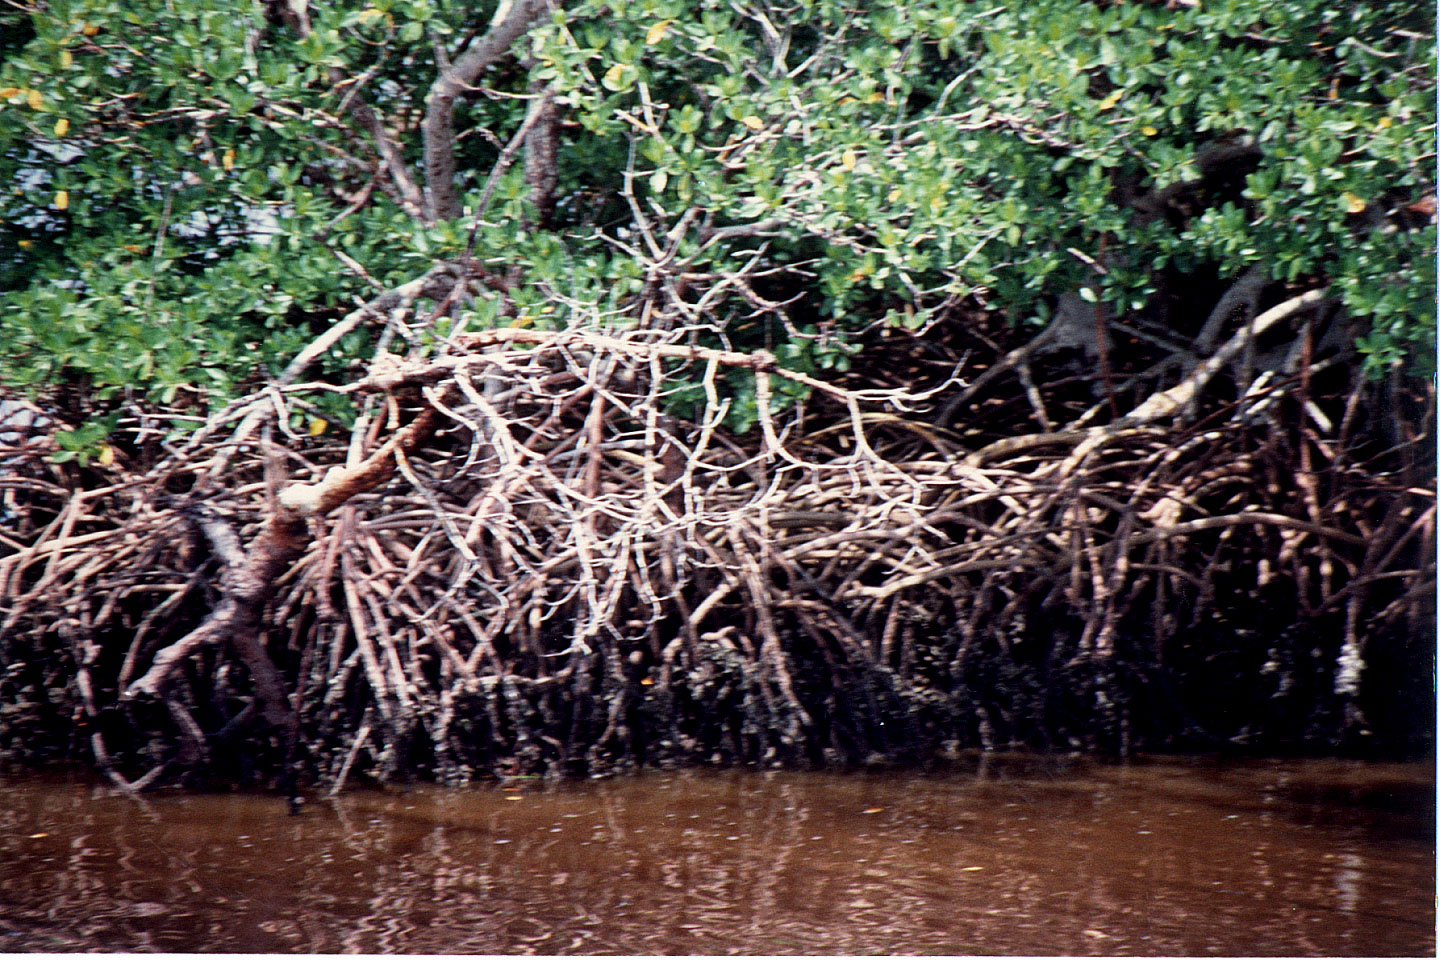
[249, 582]
[1167, 402]
[541, 160]
[511, 21]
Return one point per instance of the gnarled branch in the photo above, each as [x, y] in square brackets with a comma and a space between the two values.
[511, 20]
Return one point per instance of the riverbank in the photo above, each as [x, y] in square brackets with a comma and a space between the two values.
[579, 583]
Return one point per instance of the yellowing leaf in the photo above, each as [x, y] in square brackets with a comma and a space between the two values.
[25, 244]
[38, 836]
[62, 199]
[524, 320]
[647, 682]
[134, 248]
[657, 33]
[1384, 123]
[9, 92]
[1353, 204]
[970, 869]
[614, 78]
[227, 160]
[873, 810]
[317, 426]
[847, 159]
[62, 127]
[893, 195]
[368, 14]
[1110, 101]
[35, 100]
[107, 455]
[66, 59]
[1148, 130]
[753, 122]
[90, 30]
[875, 96]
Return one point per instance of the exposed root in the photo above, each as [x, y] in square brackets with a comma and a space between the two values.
[522, 562]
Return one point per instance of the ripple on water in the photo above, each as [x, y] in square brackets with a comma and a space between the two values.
[1001, 856]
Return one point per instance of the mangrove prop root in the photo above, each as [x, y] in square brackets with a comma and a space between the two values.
[523, 561]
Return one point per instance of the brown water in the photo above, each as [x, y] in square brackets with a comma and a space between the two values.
[1004, 856]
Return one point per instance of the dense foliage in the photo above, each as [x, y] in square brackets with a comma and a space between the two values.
[199, 189]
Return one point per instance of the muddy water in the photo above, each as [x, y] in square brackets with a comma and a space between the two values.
[1004, 856]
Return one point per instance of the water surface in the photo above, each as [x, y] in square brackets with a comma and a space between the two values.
[995, 856]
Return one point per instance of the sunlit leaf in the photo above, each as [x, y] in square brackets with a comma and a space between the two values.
[657, 33]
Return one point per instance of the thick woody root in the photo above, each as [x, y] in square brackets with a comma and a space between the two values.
[561, 578]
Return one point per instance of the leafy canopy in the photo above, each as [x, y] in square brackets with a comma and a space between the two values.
[194, 192]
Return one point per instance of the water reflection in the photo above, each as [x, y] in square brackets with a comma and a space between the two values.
[1061, 857]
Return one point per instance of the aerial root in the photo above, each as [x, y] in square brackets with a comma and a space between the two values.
[522, 562]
